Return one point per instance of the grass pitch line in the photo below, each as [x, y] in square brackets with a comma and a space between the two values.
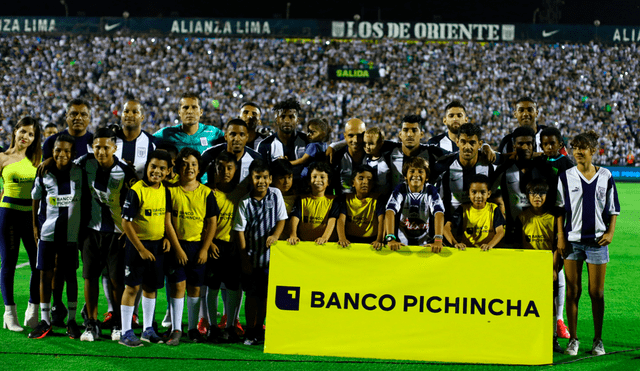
[22, 265]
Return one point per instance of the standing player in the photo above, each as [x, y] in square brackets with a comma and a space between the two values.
[455, 115]
[78, 118]
[347, 158]
[255, 235]
[146, 219]
[57, 218]
[373, 143]
[109, 180]
[134, 144]
[194, 216]
[18, 169]
[588, 195]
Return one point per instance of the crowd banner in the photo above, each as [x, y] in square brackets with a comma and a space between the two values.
[456, 306]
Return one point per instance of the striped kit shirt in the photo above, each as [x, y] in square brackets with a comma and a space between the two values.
[241, 175]
[257, 219]
[136, 151]
[588, 204]
[443, 141]
[59, 214]
[108, 188]
[413, 211]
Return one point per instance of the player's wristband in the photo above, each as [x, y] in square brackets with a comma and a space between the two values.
[389, 238]
[438, 237]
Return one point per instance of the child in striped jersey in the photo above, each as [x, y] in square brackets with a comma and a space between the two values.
[57, 218]
[587, 194]
[146, 219]
[361, 217]
[194, 215]
[314, 216]
[479, 223]
[259, 222]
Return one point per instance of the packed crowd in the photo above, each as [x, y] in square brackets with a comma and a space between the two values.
[576, 86]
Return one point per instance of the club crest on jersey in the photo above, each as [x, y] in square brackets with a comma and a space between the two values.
[142, 152]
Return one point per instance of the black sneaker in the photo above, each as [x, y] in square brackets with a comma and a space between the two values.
[40, 331]
[174, 338]
[215, 335]
[229, 335]
[73, 332]
[556, 346]
[196, 336]
[58, 314]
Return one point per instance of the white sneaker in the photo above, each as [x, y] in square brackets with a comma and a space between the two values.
[598, 348]
[572, 348]
[116, 334]
[87, 336]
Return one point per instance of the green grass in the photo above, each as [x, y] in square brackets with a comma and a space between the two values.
[621, 330]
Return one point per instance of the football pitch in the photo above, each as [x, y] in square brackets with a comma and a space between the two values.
[621, 330]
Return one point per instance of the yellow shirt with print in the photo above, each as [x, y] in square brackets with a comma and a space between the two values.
[538, 230]
[189, 209]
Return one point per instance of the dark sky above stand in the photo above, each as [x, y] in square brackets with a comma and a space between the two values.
[609, 12]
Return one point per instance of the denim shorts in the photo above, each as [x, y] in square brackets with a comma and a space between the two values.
[591, 253]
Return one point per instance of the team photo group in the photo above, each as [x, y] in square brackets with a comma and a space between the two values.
[194, 209]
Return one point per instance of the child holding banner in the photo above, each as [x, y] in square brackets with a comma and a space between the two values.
[479, 223]
[410, 207]
[259, 222]
[316, 213]
[587, 194]
[538, 232]
[361, 217]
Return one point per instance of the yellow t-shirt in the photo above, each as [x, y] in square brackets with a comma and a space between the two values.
[538, 230]
[314, 214]
[189, 209]
[146, 206]
[362, 216]
[227, 204]
[477, 227]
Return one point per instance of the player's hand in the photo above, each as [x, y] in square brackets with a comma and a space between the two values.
[214, 251]
[202, 256]
[344, 243]
[485, 247]
[181, 257]
[44, 166]
[436, 247]
[395, 245]
[606, 239]
[555, 275]
[271, 240]
[460, 246]
[489, 154]
[293, 240]
[166, 245]
[562, 246]
[329, 154]
[321, 240]
[146, 255]
[377, 245]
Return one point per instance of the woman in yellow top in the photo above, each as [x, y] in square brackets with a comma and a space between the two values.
[18, 169]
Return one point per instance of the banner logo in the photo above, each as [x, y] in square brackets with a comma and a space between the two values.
[288, 297]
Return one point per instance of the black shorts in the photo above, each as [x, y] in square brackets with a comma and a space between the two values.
[226, 268]
[256, 284]
[100, 250]
[55, 254]
[138, 271]
[193, 272]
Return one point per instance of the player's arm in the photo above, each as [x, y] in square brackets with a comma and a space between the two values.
[495, 240]
[342, 236]
[34, 215]
[170, 234]
[379, 242]
[562, 240]
[276, 233]
[331, 224]
[390, 227]
[436, 246]
[210, 226]
[302, 160]
[145, 254]
[607, 237]
[293, 231]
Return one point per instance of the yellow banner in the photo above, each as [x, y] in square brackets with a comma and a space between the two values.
[456, 306]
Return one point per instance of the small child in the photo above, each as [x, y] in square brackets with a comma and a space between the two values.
[539, 232]
[361, 217]
[56, 203]
[194, 216]
[282, 172]
[146, 218]
[172, 177]
[224, 268]
[314, 216]
[410, 207]
[318, 133]
[259, 222]
[479, 223]
[373, 147]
